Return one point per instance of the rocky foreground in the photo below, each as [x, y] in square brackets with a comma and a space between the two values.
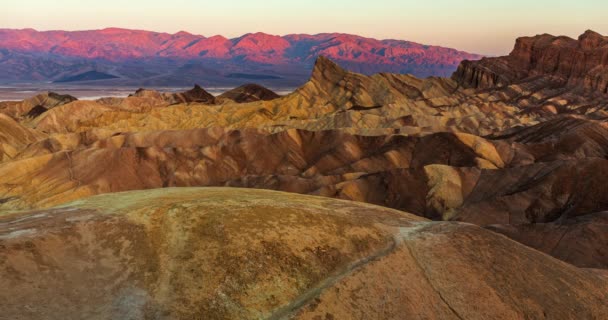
[513, 146]
[216, 253]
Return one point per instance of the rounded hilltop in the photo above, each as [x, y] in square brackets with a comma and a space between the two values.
[220, 253]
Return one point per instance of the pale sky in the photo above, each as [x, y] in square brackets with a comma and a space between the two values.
[480, 26]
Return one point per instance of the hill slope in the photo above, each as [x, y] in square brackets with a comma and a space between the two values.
[187, 253]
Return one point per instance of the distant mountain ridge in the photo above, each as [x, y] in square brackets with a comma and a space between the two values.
[145, 57]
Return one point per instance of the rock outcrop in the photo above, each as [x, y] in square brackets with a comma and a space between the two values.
[581, 241]
[248, 93]
[575, 63]
[191, 253]
[35, 106]
[14, 138]
[196, 94]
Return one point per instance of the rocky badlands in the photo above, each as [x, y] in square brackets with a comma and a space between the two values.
[480, 196]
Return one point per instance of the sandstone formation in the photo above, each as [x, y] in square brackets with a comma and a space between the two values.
[35, 106]
[248, 93]
[196, 94]
[189, 253]
[582, 241]
[582, 62]
[14, 137]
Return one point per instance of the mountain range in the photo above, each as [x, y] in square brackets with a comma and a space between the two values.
[133, 57]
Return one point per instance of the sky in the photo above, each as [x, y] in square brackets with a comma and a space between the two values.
[480, 26]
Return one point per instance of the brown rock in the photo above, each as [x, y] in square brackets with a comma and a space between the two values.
[581, 241]
[248, 254]
[196, 94]
[14, 137]
[248, 93]
[582, 62]
[35, 106]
